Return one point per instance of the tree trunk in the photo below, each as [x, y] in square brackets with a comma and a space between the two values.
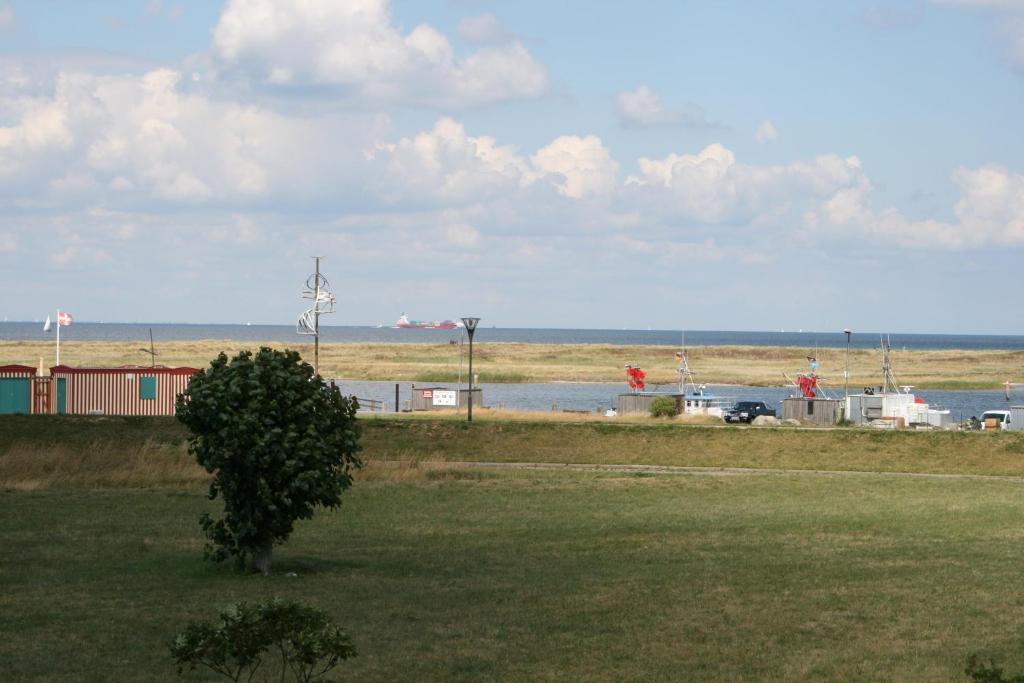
[259, 561]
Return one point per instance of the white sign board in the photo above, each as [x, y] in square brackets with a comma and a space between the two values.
[444, 397]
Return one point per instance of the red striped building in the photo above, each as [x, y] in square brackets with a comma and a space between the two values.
[17, 371]
[117, 391]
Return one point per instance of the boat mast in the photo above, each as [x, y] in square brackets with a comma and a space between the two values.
[888, 377]
[684, 371]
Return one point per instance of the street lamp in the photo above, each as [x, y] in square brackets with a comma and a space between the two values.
[470, 324]
[847, 332]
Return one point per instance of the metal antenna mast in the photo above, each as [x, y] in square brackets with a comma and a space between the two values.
[319, 290]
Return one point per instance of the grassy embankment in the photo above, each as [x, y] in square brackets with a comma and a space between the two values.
[511, 362]
[56, 451]
[449, 574]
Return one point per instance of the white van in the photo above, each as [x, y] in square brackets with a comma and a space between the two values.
[1002, 418]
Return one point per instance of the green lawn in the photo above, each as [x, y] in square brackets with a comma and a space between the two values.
[450, 575]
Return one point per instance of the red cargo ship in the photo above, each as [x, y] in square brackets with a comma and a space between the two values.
[404, 323]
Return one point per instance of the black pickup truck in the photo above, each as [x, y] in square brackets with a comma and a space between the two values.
[746, 411]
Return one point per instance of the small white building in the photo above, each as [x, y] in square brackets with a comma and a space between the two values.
[898, 408]
[1017, 419]
[444, 398]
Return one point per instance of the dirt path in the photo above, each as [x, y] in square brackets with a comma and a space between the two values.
[677, 470]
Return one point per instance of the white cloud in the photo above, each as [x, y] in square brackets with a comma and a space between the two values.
[141, 144]
[711, 187]
[643, 108]
[354, 46]
[766, 132]
[448, 164]
[40, 123]
[149, 136]
[8, 243]
[484, 29]
[578, 166]
[990, 211]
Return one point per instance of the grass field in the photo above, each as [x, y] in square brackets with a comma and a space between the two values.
[510, 362]
[443, 573]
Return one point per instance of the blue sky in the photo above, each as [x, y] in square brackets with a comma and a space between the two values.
[724, 165]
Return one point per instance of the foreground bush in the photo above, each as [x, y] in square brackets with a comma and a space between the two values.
[307, 642]
[278, 441]
[663, 406]
[980, 672]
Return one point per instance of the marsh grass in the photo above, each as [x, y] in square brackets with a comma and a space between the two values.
[64, 451]
[26, 467]
[481, 377]
[516, 362]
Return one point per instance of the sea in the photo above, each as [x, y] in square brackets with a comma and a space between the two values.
[558, 395]
[103, 331]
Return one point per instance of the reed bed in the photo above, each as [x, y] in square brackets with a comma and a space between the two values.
[517, 362]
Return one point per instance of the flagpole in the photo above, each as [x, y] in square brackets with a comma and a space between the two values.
[58, 336]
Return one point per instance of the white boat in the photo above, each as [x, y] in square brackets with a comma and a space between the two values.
[697, 399]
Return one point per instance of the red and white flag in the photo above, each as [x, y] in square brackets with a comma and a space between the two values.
[64, 318]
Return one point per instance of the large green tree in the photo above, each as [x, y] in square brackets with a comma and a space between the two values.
[279, 443]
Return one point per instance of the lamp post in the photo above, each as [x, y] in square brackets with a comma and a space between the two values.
[847, 332]
[470, 324]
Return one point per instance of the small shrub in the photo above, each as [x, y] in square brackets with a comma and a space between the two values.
[663, 406]
[306, 640]
[980, 672]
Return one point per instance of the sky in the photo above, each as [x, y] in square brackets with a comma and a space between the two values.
[669, 165]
